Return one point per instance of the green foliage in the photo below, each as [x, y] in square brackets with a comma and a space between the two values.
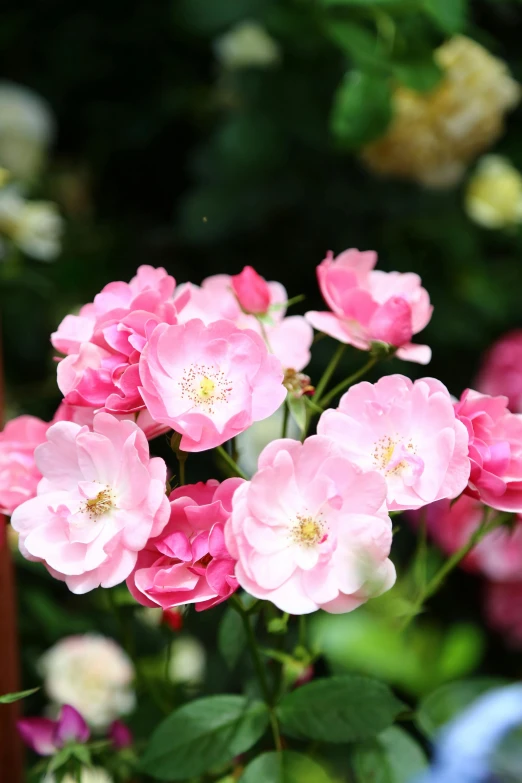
[203, 734]
[361, 108]
[339, 709]
[445, 702]
[392, 757]
[449, 15]
[285, 767]
[231, 637]
[9, 698]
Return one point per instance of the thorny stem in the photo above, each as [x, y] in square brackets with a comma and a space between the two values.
[347, 382]
[259, 668]
[231, 463]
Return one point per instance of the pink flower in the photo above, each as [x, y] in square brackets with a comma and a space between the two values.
[46, 737]
[371, 306]
[501, 371]
[251, 290]
[406, 431]
[209, 383]
[310, 530]
[19, 475]
[120, 735]
[289, 338]
[104, 342]
[80, 415]
[495, 450]
[189, 562]
[503, 609]
[102, 497]
[498, 556]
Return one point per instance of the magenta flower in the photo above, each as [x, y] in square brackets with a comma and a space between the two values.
[406, 431]
[104, 342]
[19, 475]
[120, 735]
[495, 450]
[46, 736]
[209, 383]
[102, 497]
[189, 562]
[310, 530]
[369, 306]
[252, 291]
[501, 371]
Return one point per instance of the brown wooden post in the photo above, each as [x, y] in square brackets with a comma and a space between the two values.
[11, 751]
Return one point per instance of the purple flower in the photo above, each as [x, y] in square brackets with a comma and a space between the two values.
[46, 736]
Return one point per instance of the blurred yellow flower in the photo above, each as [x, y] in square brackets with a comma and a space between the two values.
[434, 135]
[34, 226]
[247, 45]
[494, 193]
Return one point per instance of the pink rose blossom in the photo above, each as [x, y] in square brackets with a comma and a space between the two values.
[408, 432]
[100, 500]
[310, 530]
[104, 342]
[209, 383]
[501, 371]
[503, 609]
[19, 475]
[495, 450]
[189, 562]
[252, 291]
[80, 415]
[498, 556]
[46, 737]
[289, 338]
[372, 306]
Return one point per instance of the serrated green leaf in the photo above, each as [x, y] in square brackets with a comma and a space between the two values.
[231, 637]
[285, 767]
[445, 702]
[362, 109]
[9, 698]
[420, 74]
[392, 757]
[203, 734]
[348, 708]
[449, 15]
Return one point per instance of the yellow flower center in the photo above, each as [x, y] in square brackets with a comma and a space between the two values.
[206, 386]
[307, 531]
[101, 504]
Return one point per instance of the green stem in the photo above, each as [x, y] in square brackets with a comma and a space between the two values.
[347, 382]
[330, 369]
[286, 411]
[231, 463]
[259, 668]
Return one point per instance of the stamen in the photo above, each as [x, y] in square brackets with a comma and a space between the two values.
[308, 531]
[205, 385]
[101, 504]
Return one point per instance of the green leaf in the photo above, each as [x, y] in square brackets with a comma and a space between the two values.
[231, 637]
[448, 15]
[285, 767]
[362, 3]
[339, 709]
[203, 734]
[420, 74]
[445, 702]
[393, 757]
[360, 44]
[297, 408]
[361, 110]
[9, 698]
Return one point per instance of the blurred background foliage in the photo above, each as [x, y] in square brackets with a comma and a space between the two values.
[180, 146]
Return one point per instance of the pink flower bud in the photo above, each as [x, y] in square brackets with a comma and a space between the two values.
[252, 291]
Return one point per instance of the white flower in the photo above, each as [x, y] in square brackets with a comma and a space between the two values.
[91, 673]
[26, 130]
[188, 661]
[252, 441]
[247, 45]
[34, 226]
[494, 193]
[87, 775]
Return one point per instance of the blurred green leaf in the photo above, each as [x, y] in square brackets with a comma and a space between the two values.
[392, 757]
[210, 17]
[231, 637]
[421, 73]
[9, 698]
[448, 700]
[339, 709]
[297, 407]
[362, 45]
[449, 15]
[203, 734]
[285, 767]
[361, 110]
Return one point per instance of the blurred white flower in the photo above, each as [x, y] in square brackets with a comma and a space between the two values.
[34, 226]
[91, 673]
[494, 193]
[252, 441]
[188, 661]
[247, 45]
[26, 130]
[87, 775]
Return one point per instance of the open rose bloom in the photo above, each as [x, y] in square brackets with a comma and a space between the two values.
[311, 530]
[368, 305]
[19, 475]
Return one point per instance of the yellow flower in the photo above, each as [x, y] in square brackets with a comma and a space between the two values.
[494, 193]
[433, 136]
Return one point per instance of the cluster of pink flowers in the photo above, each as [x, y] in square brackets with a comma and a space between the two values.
[311, 529]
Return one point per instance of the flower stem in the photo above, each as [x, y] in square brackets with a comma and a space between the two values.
[330, 369]
[286, 411]
[347, 382]
[231, 463]
[259, 668]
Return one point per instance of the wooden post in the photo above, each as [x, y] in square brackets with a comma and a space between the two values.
[11, 751]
